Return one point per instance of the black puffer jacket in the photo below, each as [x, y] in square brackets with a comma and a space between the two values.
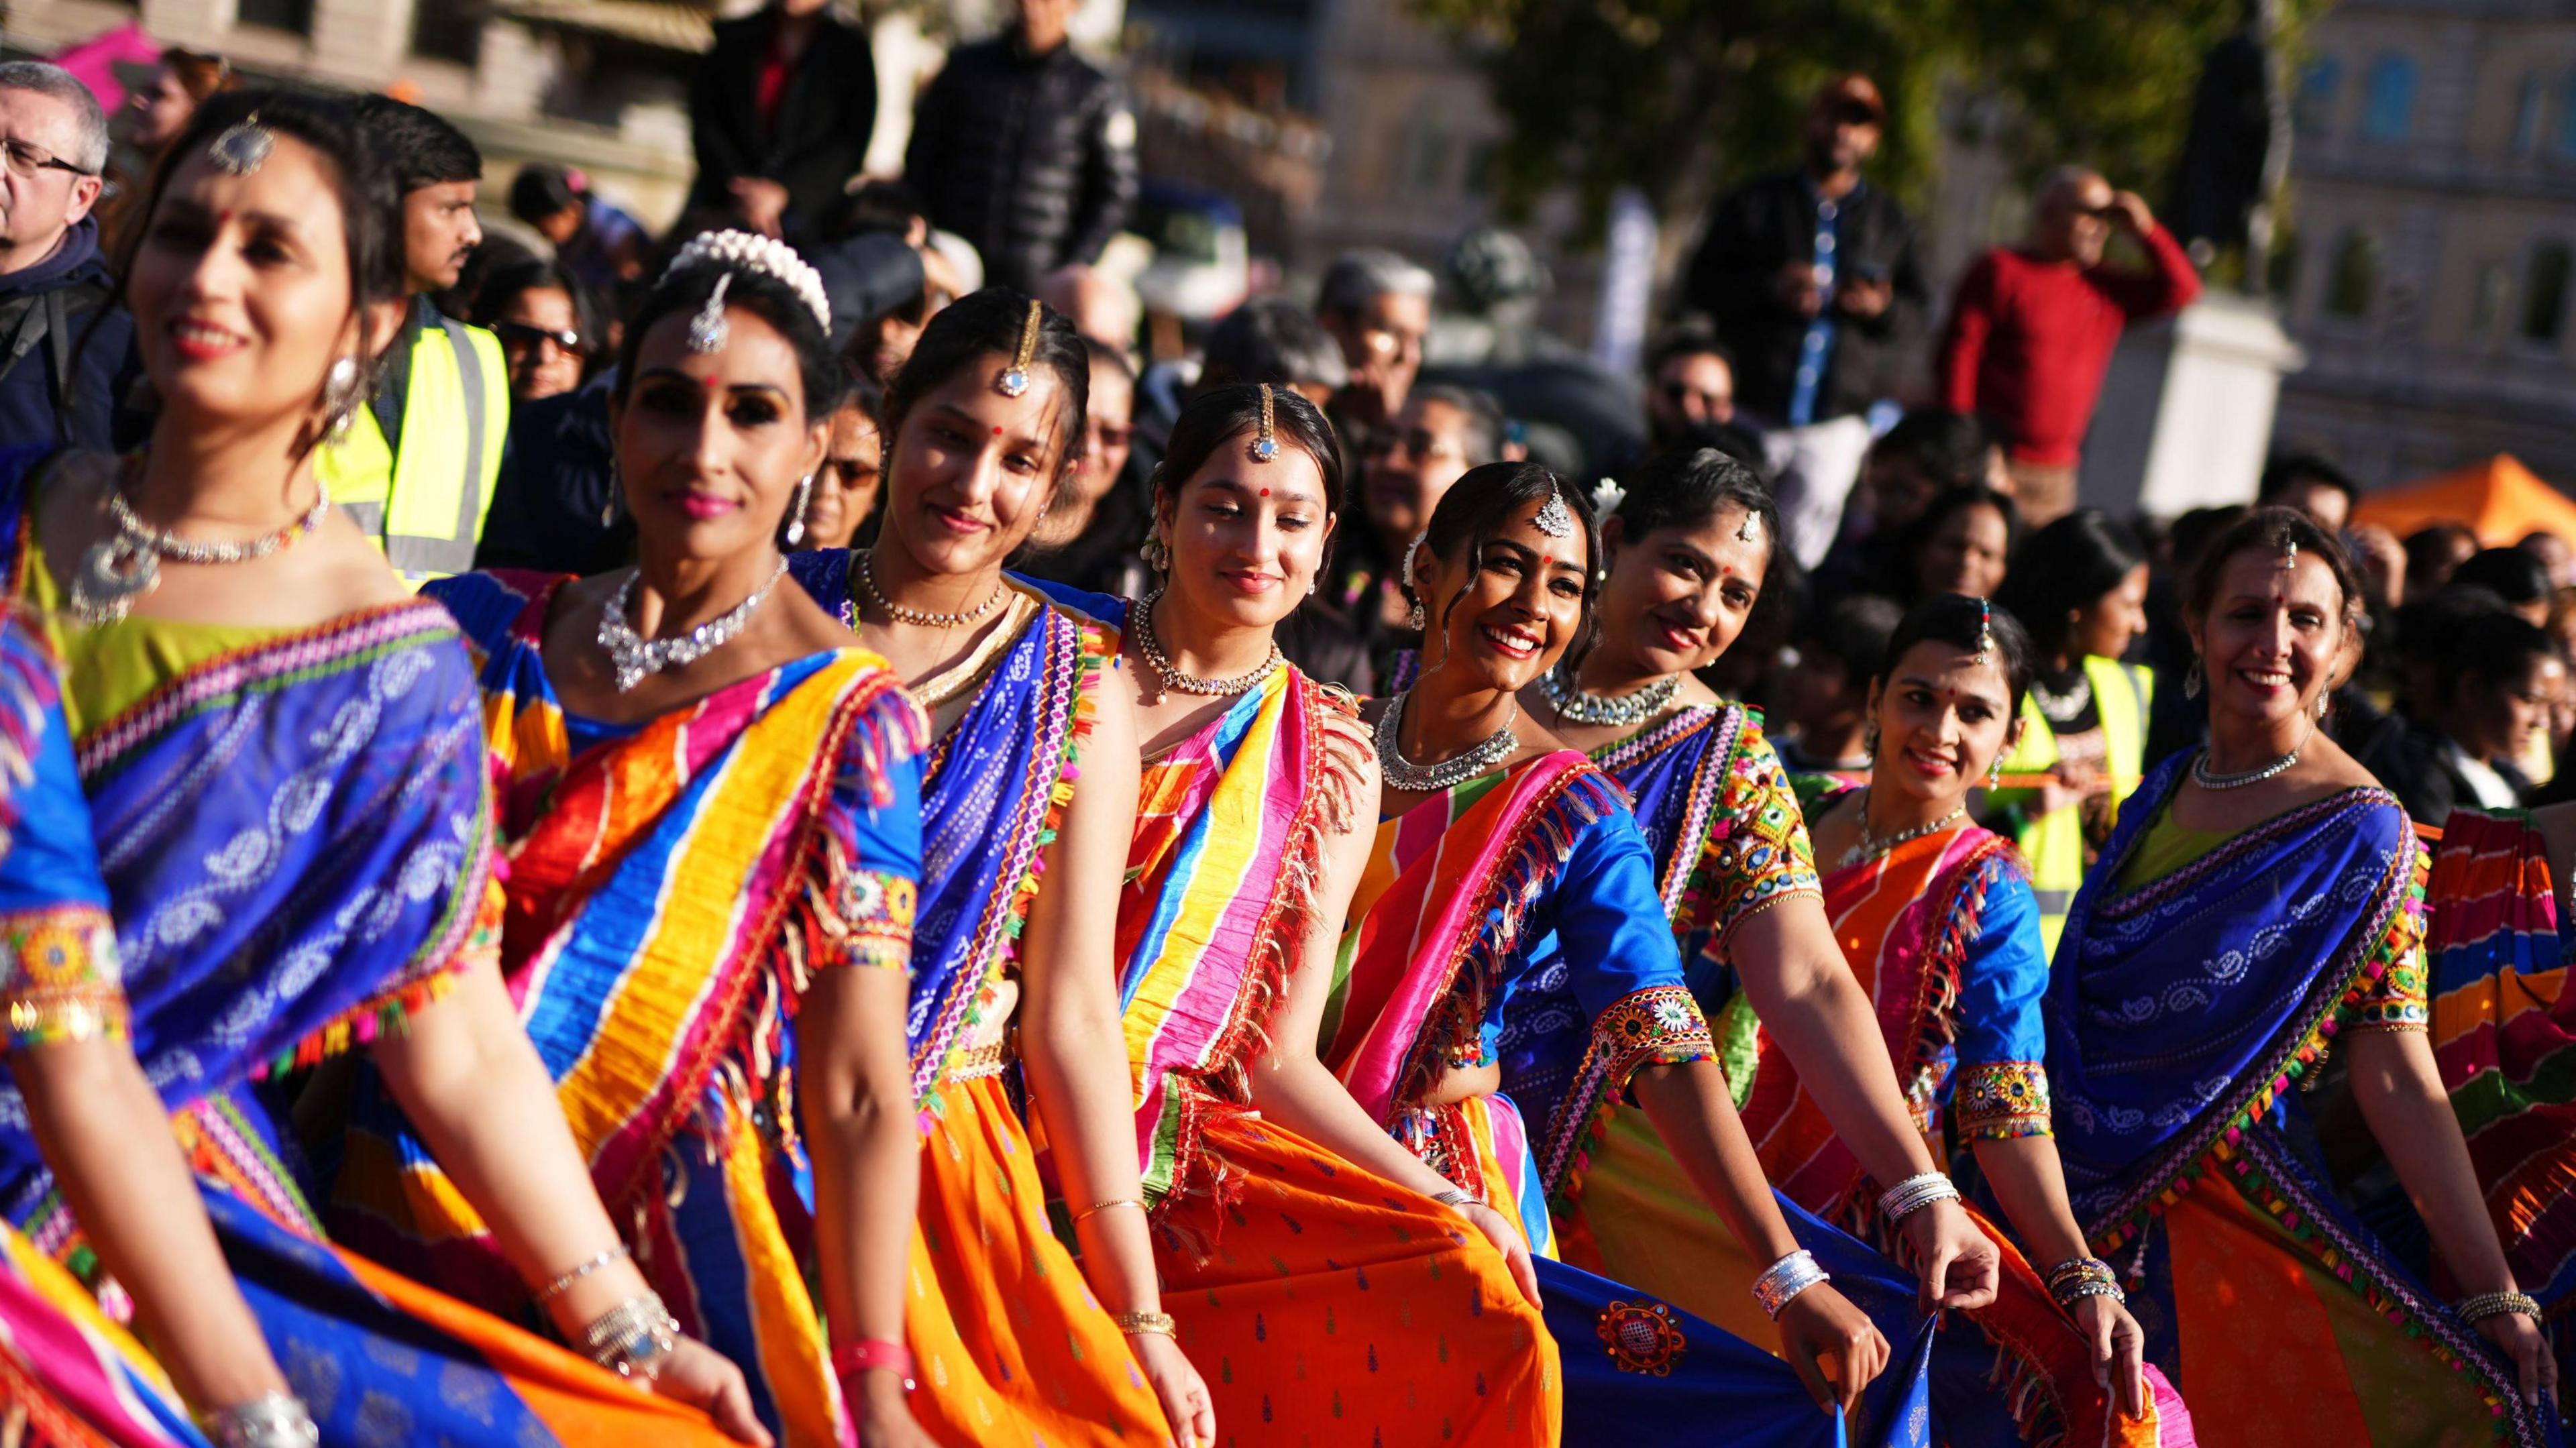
[1030, 157]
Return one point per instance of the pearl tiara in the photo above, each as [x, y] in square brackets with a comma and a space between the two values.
[745, 251]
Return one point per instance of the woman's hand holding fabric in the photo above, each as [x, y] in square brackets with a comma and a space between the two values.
[1834, 1347]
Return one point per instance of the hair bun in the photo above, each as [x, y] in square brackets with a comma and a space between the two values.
[767, 255]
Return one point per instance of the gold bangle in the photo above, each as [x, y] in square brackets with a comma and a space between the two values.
[1132, 1323]
[1098, 1208]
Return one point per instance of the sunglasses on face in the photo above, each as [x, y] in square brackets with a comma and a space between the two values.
[27, 160]
[522, 335]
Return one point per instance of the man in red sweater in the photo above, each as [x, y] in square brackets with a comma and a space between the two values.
[2032, 331]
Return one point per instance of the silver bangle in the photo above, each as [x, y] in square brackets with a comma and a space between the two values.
[1455, 1199]
[278, 1420]
[1785, 1279]
[1914, 1194]
[563, 1284]
[633, 1337]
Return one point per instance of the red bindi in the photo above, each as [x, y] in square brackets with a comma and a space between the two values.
[997, 432]
[711, 383]
[1265, 492]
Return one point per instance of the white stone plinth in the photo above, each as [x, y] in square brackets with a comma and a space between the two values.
[2186, 413]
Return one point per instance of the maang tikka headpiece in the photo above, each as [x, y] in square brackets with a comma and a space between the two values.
[242, 146]
[1265, 446]
[1015, 380]
[1554, 518]
[707, 330]
[1985, 632]
[1748, 529]
[2290, 555]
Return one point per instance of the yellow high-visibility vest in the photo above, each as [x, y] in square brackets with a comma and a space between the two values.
[424, 502]
[2054, 843]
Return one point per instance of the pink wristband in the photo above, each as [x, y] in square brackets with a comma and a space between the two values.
[849, 1359]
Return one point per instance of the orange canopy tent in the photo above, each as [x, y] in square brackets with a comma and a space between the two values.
[2500, 499]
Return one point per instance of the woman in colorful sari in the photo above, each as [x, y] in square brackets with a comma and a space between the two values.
[1508, 847]
[66, 1372]
[1940, 925]
[284, 776]
[711, 804]
[1688, 550]
[2504, 1036]
[1295, 1238]
[1028, 801]
[2258, 906]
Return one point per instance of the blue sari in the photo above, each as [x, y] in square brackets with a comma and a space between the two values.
[2181, 1012]
[296, 842]
[998, 1316]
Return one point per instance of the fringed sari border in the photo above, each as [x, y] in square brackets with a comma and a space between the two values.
[1291, 909]
[1078, 653]
[1517, 877]
[2250, 1167]
[2331, 1004]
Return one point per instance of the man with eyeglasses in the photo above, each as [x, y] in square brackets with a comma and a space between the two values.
[2031, 333]
[66, 354]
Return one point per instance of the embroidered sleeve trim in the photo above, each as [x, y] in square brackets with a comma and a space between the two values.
[1658, 1026]
[2002, 1100]
[60, 969]
[876, 910]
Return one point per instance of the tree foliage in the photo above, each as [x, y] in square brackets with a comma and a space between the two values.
[1679, 97]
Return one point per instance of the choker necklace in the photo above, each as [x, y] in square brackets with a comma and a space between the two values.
[1872, 846]
[2063, 708]
[865, 572]
[1178, 682]
[637, 658]
[127, 565]
[2208, 778]
[1618, 711]
[1403, 773]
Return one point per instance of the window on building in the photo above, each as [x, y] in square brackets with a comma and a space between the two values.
[289, 15]
[2544, 292]
[2528, 103]
[2388, 106]
[447, 29]
[2492, 302]
[1422, 152]
[2353, 289]
[2563, 138]
[2312, 112]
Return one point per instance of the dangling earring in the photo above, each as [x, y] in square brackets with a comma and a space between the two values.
[1157, 557]
[796, 523]
[2191, 681]
[1414, 618]
[2322, 701]
[1995, 772]
[339, 397]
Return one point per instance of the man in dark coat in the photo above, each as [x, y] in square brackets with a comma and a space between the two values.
[1025, 149]
[781, 112]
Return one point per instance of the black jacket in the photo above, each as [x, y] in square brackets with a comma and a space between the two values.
[2418, 770]
[1764, 225]
[821, 137]
[59, 382]
[1030, 157]
[555, 506]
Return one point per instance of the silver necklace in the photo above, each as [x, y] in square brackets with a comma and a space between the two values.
[1871, 846]
[866, 573]
[1178, 682]
[1403, 773]
[2208, 778]
[125, 566]
[637, 658]
[1619, 711]
[2063, 708]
